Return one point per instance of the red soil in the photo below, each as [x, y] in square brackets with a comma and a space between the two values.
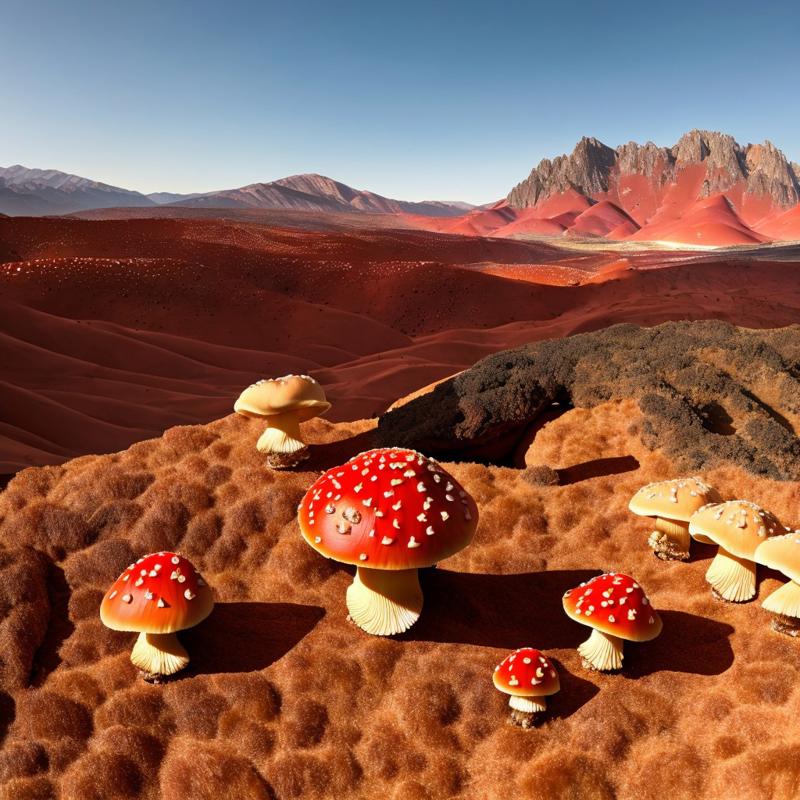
[112, 331]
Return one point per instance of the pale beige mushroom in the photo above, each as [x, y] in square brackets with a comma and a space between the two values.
[782, 553]
[672, 504]
[738, 527]
[283, 403]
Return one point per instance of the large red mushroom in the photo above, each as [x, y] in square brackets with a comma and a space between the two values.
[389, 512]
[617, 608]
[158, 596]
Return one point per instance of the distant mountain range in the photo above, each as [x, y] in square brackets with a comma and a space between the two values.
[36, 192]
[39, 192]
[706, 190]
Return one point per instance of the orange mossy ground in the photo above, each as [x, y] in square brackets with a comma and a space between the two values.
[284, 698]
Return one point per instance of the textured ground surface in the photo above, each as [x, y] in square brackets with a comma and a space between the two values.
[112, 331]
[285, 699]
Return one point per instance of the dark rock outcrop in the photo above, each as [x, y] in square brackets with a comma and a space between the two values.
[701, 387]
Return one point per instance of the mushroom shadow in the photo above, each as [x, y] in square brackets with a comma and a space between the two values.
[596, 468]
[59, 626]
[688, 643]
[701, 552]
[505, 611]
[7, 712]
[575, 692]
[247, 637]
[326, 456]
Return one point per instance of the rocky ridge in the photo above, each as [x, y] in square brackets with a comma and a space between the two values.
[593, 168]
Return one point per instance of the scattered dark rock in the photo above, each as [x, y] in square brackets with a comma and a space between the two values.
[541, 475]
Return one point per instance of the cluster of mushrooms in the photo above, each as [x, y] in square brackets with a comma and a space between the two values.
[745, 535]
[392, 511]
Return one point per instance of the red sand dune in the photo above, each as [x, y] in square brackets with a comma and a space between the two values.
[565, 205]
[529, 222]
[480, 222]
[112, 331]
[601, 219]
[638, 196]
[711, 221]
[782, 227]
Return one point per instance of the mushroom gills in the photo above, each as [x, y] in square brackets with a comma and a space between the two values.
[282, 435]
[670, 540]
[384, 602]
[732, 578]
[785, 604]
[527, 705]
[602, 651]
[158, 654]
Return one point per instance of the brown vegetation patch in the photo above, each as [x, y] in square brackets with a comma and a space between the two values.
[708, 392]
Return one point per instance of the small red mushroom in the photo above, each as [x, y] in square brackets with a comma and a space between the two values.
[617, 608]
[389, 512]
[529, 677]
[160, 594]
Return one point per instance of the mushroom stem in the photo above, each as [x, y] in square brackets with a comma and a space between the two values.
[524, 710]
[384, 602]
[281, 440]
[602, 651]
[785, 603]
[670, 540]
[530, 705]
[732, 578]
[158, 654]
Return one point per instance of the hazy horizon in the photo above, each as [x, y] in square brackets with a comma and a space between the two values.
[418, 103]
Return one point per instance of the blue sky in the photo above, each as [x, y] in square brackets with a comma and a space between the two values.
[447, 100]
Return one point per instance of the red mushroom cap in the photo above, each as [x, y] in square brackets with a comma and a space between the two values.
[526, 672]
[388, 508]
[160, 593]
[614, 604]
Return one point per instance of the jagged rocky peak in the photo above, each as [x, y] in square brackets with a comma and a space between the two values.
[592, 167]
[586, 170]
[770, 173]
[720, 153]
[644, 159]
